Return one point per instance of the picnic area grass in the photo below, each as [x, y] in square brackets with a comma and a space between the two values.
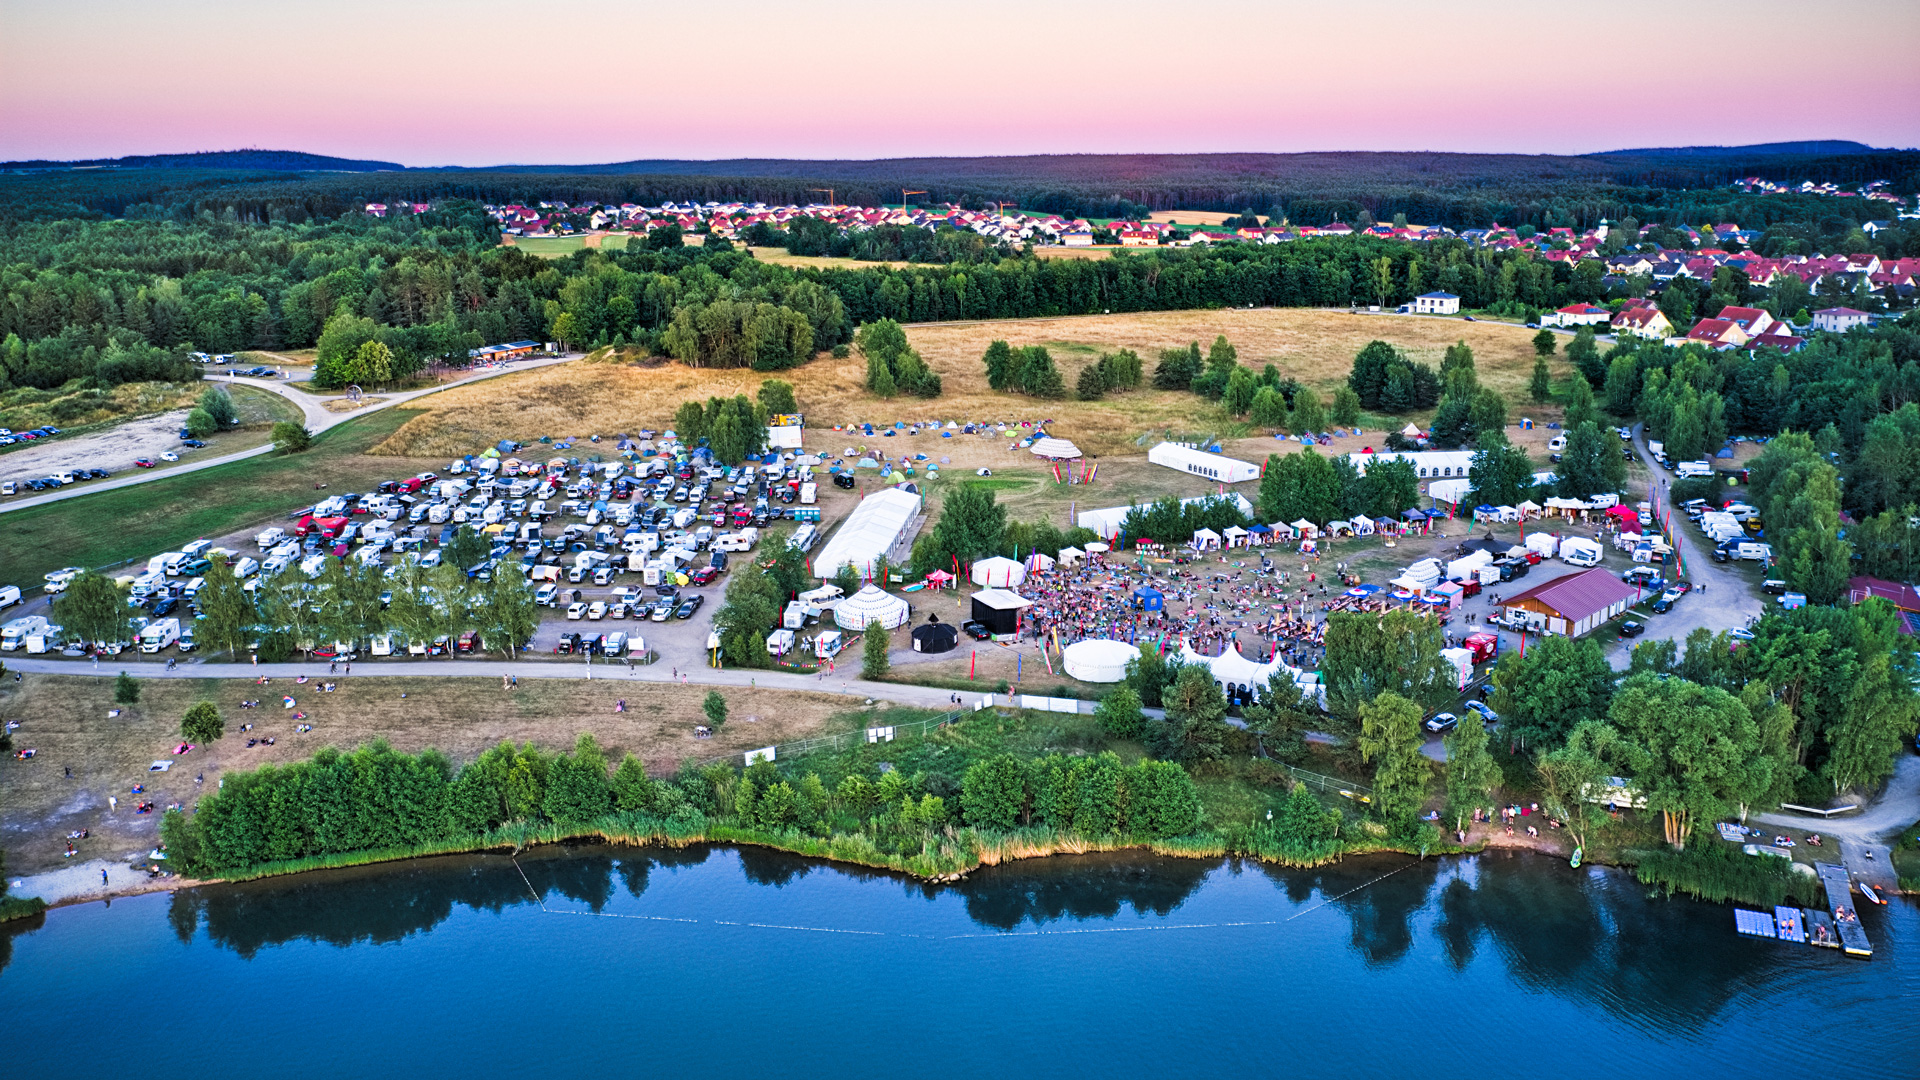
[109, 528]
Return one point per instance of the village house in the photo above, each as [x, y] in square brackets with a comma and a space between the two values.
[1577, 315]
[1717, 334]
[1839, 320]
[1752, 321]
[1436, 303]
[1642, 320]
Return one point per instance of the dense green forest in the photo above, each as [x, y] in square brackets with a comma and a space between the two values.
[1457, 190]
[123, 299]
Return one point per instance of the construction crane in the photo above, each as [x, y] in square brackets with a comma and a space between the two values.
[828, 190]
[903, 197]
[1002, 206]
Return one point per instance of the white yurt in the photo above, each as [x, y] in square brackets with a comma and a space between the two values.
[1099, 660]
[998, 573]
[870, 605]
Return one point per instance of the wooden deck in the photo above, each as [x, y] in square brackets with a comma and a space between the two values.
[1853, 939]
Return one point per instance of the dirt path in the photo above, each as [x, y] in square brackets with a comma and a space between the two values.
[113, 449]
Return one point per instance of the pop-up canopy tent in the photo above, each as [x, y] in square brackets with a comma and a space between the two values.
[996, 572]
[870, 605]
[1148, 598]
[1099, 660]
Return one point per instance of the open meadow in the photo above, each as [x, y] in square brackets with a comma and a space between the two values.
[1315, 347]
[65, 719]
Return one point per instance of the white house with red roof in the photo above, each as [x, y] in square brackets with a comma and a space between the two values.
[1642, 320]
[1752, 320]
[1717, 334]
[1839, 320]
[1577, 315]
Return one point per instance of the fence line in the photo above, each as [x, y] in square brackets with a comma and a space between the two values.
[1327, 785]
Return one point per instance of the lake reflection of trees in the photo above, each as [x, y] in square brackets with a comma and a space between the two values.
[1079, 887]
[1588, 935]
[389, 902]
[1597, 937]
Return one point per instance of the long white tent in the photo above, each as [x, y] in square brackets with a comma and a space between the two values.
[868, 533]
[1107, 522]
[1186, 459]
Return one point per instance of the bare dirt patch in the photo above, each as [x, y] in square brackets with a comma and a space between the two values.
[65, 719]
[113, 449]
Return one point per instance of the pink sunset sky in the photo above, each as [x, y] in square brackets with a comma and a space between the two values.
[581, 81]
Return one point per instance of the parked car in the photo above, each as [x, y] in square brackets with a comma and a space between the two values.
[1630, 628]
[143, 463]
[976, 631]
[661, 610]
[1487, 715]
[597, 610]
[1445, 721]
[688, 607]
[1661, 606]
[576, 610]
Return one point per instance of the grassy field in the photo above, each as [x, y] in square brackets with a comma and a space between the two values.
[111, 527]
[1315, 347]
[65, 719]
[556, 246]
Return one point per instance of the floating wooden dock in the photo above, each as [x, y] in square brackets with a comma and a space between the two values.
[1840, 900]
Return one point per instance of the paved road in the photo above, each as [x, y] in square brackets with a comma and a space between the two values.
[318, 418]
[1723, 597]
[845, 681]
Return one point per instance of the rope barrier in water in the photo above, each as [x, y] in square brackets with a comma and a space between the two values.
[541, 901]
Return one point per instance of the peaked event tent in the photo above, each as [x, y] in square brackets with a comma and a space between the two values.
[1051, 447]
[999, 573]
[870, 605]
[1099, 660]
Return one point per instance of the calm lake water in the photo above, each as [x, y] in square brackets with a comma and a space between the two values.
[714, 961]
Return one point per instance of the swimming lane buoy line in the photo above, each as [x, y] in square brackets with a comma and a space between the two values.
[537, 899]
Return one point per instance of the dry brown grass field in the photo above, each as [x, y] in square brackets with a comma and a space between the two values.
[778, 256]
[1315, 347]
[64, 718]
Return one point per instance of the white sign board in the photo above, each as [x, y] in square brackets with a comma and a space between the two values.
[879, 734]
[765, 753]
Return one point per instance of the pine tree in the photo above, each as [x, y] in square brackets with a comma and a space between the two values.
[1541, 387]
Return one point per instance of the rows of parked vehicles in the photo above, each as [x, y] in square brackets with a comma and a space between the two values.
[53, 481]
[567, 523]
[10, 437]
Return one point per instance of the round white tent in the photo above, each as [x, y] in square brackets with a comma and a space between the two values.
[998, 573]
[870, 605]
[1099, 660]
[1051, 447]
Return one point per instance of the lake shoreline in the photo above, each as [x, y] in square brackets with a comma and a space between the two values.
[1007, 849]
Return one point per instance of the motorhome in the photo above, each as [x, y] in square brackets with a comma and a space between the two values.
[828, 644]
[803, 537]
[9, 595]
[159, 634]
[14, 634]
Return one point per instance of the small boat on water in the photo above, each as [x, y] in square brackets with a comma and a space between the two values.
[1866, 890]
[1575, 861]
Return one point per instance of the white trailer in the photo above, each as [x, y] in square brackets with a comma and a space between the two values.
[159, 634]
